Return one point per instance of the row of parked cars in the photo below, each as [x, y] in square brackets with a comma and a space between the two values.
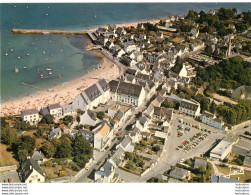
[194, 126]
[192, 142]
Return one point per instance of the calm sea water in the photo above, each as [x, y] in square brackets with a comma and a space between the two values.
[67, 55]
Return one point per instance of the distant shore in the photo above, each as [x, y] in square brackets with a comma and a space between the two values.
[65, 93]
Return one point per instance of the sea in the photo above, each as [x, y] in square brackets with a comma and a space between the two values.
[66, 55]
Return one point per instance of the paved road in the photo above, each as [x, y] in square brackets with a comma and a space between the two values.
[9, 174]
[129, 177]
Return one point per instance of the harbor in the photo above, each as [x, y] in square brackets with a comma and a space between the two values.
[43, 31]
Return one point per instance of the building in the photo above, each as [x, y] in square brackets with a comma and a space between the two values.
[211, 120]
[224, 179]
[55, 109]
[180, 173]
[103, 135]
[194, 32]
[92, 96]
[200, 162]
[222, 150]
[31, 172]
[57, 133]
[190, 107]
[107, 173]
[38, 156]
[127, 93]
[89, 135]
[162, 114]
[88, 118]
[31, 116]
[68, 109]
[247, 160]
[242, 147]
[242, 92]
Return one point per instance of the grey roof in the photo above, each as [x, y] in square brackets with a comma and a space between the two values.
[199, 162]
[189, 105]
[92, 92]
[54, 106]
[143, 76]
[223, 179]
[163, 177]
[162, 112]
[68, 108]
[44, 111]
[126, 142]
[104, 85]
[84, 131]
[108, 168]
[37, 156]
[244, 144]
[27, 166]
[92, 115]
[160, 99]
[208, 114]
[143, 120]
[29, 112]
[179, 172]
[118, 116]
[172, 180]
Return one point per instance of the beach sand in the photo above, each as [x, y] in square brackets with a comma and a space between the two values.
[63, 93]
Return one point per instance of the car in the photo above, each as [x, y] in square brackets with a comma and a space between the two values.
[9, 180]
[246, 126]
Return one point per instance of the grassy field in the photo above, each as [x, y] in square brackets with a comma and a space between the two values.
[6, 158]
[242, 178]
[224, 99]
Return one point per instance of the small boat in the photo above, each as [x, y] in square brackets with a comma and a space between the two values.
[41, 76]
[47, 14]
[52, 55]
[45, 33]
[27, 7]
[16, 70]
[11, 50]
[43, 52]
[61, 50]
[50, 41]
[18, 57]
[48, 7]
[48, 69]
[6, 54]
[25, 67]
[59, 76]
[32, 43]
[27, 54]
[35, 48]
[15, 6]
[50, 73]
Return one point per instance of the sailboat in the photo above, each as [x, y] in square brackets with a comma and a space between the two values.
[16, 70]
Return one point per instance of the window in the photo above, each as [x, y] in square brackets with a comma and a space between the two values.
[38, 179]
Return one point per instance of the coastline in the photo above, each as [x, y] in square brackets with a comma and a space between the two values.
[64, 93]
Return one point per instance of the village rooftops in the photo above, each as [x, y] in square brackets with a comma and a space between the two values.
[92, 92]
[37, 156]
[191, 105]
[143, 76]
[30, 112]
[200, 162]
[92, 115]
[161, 111]
[179, 172]
[68, 108]
[54, 106]
[103, 128]
[104, 85]
[131, 71]
[208, 114]
[221, 147]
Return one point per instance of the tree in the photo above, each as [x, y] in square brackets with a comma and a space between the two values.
[47, 119]
[27, 142]
[8, 135]
[3, 122]
[156, 148]
[67, 119]
[78, 119]
[81, 160]
[100, 115]
[48, 149]
[22, 155]
[64, 151]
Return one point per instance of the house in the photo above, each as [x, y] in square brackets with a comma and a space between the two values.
[55, 109]
[242, 92]
[242, 147]
[162, 114]
[145, 135]
[55, 133]
[127, 144]
[106, 173]
[195, 46]
[190, 107]
[180, 173]
[200, 162]
[159, 35]
[31, 172]
[137, 56]
[129, 46]
[222, 150]
[31, 116]
[141, 26]
[103, 134]
[64, 128]
[158, 101]
[68, 109]
[88, 118]
[38, 156]
[142, 123]
[127, 93]
[92, 96]
[87, 134]
[224, 179]
[210, 119]
[194, 32]
[247, 160]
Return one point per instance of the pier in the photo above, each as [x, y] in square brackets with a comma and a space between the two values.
[35, 87]
[37, 31]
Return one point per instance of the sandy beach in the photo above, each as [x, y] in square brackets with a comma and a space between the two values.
[66, 92]
[63, 93]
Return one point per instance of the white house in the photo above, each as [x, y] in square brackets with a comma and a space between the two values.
[194, 32]
[57, 133]
[30, 116]
[190, 107]
[210, 119]
[103, 134]
[31, 172]
[68, 109]
[137, 56]
[127, 93]
[183, 71]
[129, 46]
[88, 118]
[222, 150]
[106, 173]
[55, 109]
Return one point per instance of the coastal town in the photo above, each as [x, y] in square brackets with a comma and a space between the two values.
[170, 104]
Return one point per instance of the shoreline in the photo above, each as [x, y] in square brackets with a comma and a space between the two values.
[64, 93]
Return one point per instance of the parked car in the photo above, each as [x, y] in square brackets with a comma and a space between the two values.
[9, 180]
